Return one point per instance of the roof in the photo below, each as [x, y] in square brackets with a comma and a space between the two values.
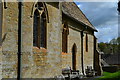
[72, 10]
[104, 63]
[112, 59]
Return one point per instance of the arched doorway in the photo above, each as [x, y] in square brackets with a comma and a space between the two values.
[74, 50]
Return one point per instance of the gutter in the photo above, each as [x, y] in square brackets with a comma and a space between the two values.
[19, 73]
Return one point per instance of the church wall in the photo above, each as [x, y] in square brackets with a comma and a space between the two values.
[0, 40]
[0, 62]
[75, 37]
[35, 62]
[40, 63]
[10, 41]
[88, 56]
[54, 39]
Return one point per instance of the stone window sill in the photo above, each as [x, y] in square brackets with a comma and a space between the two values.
[36, 49]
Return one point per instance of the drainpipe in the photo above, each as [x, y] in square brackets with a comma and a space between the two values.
[19, 40]
[82, 52]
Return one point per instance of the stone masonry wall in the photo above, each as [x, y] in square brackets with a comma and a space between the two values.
[75, 37]
[54, 39]
[10, 41]
[88, 56]
[36, 63]
[66, 60]
[0, 63]
[40, 63]
[0, 40]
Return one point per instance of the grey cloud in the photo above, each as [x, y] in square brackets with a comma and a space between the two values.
[104, 16]
[99, 12]
[107, 33]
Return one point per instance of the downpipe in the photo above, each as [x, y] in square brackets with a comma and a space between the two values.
[19, 72]
[82, 52]
[82, 35]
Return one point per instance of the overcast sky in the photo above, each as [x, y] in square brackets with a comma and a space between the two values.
[104, 16]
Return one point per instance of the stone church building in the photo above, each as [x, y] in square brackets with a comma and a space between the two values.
[54, 36]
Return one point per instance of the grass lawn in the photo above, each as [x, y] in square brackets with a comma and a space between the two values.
[110, 76]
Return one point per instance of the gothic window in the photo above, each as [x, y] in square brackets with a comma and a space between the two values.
[86, 42]
[39, 27]
[74, 50]
[0, 23]
[65, 38]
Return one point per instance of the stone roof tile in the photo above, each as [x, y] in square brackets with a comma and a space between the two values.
[72, 10]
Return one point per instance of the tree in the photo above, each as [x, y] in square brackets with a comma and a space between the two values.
[113, 41]
[112, 47]
[118, 40]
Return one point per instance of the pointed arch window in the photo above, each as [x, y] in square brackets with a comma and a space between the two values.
[86, 42]
[74, 51]
[39, 27]
[65, 38]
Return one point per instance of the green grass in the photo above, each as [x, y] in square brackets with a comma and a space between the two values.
[110, 76]
[106, 73]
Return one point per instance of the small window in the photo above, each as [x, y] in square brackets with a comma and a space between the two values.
[74, 51]
[86, 42]
[65, 38]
